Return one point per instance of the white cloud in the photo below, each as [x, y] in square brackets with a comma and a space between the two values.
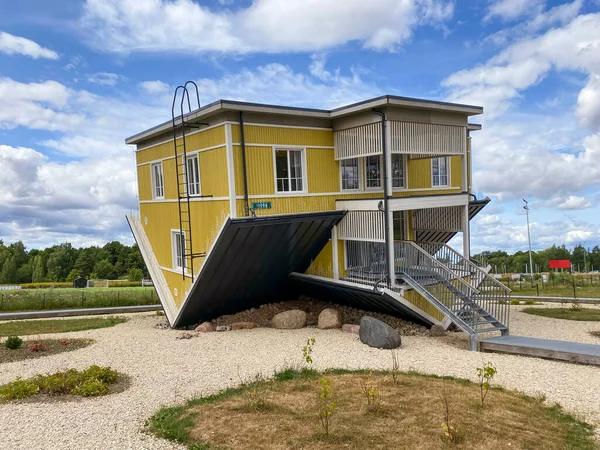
[513, 9]
[16, 45]
[36, 105]
[571, 202]
[105, 78]
[588, 103]
[154, 87]
[264, 26]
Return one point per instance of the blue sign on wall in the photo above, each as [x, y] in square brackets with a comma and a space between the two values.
[261, 205]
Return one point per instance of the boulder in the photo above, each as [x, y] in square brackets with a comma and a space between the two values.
[378, 334]
[349, 328]
[289, 320]
[329, 318]
[205, 327]
[223, 327]
[437, 330]
[243, 325]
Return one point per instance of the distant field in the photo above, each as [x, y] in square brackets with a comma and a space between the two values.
[557, 291]
[66, 298]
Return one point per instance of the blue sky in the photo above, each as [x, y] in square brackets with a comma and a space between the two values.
[77, 77]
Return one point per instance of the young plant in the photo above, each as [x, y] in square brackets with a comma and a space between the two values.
[37, 347]
[13, 342]
[307, 350]
[327, 404]
[395, 365]
[18, 389]
[371, 392]
[576, 305]
[449, 432]
[485, 375]
[256, 393]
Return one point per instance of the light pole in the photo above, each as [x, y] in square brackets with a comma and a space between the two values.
[526, 208]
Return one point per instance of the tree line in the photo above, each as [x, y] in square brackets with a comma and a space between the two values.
[63, 262]
[582, 259]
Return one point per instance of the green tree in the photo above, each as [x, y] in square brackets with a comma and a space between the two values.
[72, 275]
[61, 261]
[135, 274]
[104, 270]
[85, 261]
[8, 274]
[39, 271]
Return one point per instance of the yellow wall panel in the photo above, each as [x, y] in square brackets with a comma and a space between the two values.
[420, 302]
[144, 182]
[322, 265]
[283, 136]
[456, 171]
[213, 172]
[322, 170]
[177, 285]
[259, 164]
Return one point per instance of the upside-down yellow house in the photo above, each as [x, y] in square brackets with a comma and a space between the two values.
[242, 204]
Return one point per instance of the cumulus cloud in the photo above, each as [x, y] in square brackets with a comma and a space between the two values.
[588, 103]
[16, 45]
[105, 78]
[154, 87]
[263, 26]
[513, 9]
[572, 202]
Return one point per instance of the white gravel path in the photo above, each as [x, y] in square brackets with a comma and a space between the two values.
[165, 370]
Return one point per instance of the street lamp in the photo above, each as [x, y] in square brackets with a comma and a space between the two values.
[526, 208]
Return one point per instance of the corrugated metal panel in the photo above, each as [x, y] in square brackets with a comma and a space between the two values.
[362, 226]
[251, 260]
[448, 218]
[365, 299]
[427, 138]
[358, 141]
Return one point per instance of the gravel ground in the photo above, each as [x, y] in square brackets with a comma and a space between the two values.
[165, 370]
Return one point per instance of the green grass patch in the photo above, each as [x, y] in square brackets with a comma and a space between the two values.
[71, 298]
[29, 327]
[582, 314]
[412, 404]
[91, 382]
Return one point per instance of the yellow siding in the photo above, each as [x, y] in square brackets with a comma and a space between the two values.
[456, 171]
[283, 136]
[419, 173]
[176, 283]
[213, 172]
[144, 182]
[259, 164]
[419, 301]
[169, 179]
[322, 170]
[323, 263]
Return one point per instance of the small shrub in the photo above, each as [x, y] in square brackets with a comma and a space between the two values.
[91, 387]
[449, 432]
[485, 375]
[514, 301]
[307, 350]
[576, 305]
[257, 394]
[60, 383]
[104, 374]
[37, 347]
[13, 342]
[327, 404]
[18, 389]
[371, 392]
[530, 302]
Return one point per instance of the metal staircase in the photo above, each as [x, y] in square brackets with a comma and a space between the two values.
[468, 297]
[182, 169]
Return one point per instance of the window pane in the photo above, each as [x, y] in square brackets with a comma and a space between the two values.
[350, 173]
[281, 162]
[397, 171]
[296, 164]
[373, 171]
[398, 224]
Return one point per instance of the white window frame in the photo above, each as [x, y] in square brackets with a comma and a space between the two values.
[381, 177]
[404, 224]
[156, 189]
[404, 172]
[448, 173]
[197, 191]
[359, 173]
[175, 236]
[289, 149]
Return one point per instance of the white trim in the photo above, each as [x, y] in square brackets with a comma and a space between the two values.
[284, 126]
[381, 178]
[404, 203]
[189, 157]
[404, 175]
[334, 250]
[175, 267]
[448, 172]
[155, 161]
[302, 150]
[330, 147]
[187, 134]
[178, 272]
[190, 153]
[360, 176]
[230, 171]
[466, 234]
[153, 181]
[192, 199]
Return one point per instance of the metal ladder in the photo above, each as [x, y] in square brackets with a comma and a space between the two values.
[181, 169]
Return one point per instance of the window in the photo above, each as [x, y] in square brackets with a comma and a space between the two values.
[158, 187]
[397, 171]
[398, 225]
[193, 175]
[288, 170]
[439, 171]
[178, 248]
[350, 177]
[373, 171]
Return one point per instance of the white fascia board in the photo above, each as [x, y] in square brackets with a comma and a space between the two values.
[432, 201]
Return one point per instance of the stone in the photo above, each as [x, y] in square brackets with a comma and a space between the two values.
[437, 330]
[329, 318]
[205, 327]
[223, 328]
[243, 325]
[378, 334]
[186, 336]
[349, 328]
[289, 320]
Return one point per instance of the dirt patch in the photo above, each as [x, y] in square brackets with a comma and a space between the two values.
[51, 346]
[262, 315]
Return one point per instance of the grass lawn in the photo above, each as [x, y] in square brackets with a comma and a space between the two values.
[558, 291]
[583, 314]
[51, 346]
[29, 327]
[284, 413]
[67, 298]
